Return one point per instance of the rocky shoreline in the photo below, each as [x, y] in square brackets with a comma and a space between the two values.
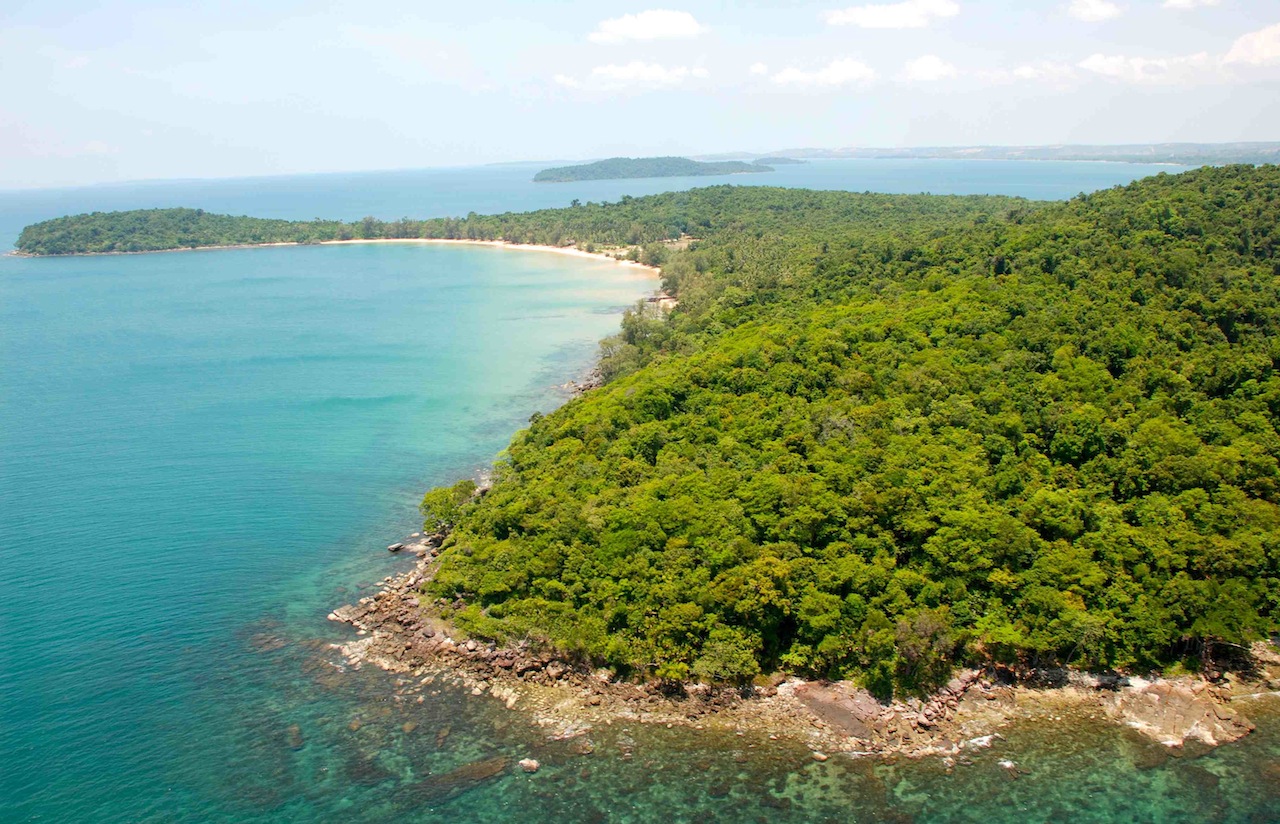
[395, 631]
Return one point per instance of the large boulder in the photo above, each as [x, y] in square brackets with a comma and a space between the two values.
[1175, 711]
[844, 707]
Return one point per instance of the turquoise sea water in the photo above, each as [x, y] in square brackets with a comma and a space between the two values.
[202, 453]
[509, 188]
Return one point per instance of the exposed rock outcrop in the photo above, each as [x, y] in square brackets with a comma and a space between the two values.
[398, 633]
[1173, 712]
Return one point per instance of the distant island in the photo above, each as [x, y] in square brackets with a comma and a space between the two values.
[625, 168]
[778, 161]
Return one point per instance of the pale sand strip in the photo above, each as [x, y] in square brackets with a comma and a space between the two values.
[643, 269]
[498, 244]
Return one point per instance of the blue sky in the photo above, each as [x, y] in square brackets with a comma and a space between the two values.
[105, 91]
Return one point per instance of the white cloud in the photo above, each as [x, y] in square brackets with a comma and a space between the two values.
[911, 14]
[655, 24]
[1151, 69]
[1256, 50]
[636, 74]
[927, 69]
[1093, 11]
[1189, 4]
[1259, 48]
[759, 68]
[843, 72]
[1045, 71]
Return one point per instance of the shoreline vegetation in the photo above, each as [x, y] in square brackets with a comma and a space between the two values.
[890, 457]
[1180, 716]
[583, 230]
[612, 255]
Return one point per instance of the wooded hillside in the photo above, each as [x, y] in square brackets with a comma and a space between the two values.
[968, 431]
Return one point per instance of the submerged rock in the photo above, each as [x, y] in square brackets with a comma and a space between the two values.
[529, 765]
[367, 771]
[266, 642]
[466, 777]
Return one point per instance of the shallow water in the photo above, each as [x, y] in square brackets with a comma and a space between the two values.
[202, 453]
[193, 441]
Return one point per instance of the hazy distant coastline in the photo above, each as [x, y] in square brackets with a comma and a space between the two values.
[1181, 154]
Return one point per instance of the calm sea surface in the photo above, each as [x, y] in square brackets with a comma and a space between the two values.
[202, 453]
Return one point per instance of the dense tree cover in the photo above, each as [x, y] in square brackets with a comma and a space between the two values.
[955, 430]
[149, 230]
[623, 168]
[630, 222]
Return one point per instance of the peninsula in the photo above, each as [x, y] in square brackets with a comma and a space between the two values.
[891, 458]
[624, 168]
[883, 439]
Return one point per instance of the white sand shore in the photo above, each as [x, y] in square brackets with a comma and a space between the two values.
[642, 269]
[502, 244]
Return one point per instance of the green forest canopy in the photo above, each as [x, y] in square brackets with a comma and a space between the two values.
[629, 222]
[883, 435]
[968, 431]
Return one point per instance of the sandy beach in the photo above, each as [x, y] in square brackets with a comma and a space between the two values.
[571, 251]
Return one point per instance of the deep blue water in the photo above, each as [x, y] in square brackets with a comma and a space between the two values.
[202, 453]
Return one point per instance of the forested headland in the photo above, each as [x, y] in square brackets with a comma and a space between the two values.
[883, 435]
[641, 223]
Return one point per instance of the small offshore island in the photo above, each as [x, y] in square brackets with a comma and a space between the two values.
[897, 470]
[626, 168]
